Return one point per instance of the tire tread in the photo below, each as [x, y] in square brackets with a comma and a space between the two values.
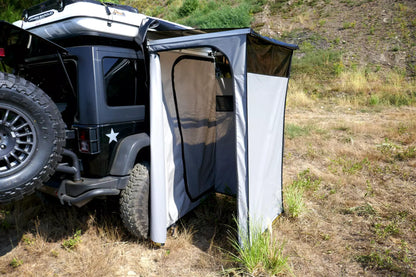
[134, 202]
[35, 95]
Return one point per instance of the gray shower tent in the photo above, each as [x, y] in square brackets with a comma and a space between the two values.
[217, 102]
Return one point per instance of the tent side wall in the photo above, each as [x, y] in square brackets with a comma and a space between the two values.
[160, 143]
[268, 67]
[266, 98]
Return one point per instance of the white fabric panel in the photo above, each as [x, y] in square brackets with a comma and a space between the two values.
[241, 153]
[266, 104]
[178, 202]
[168, 197]
[175, 186]
[158, 211]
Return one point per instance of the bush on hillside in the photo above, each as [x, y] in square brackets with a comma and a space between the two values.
[226, 17]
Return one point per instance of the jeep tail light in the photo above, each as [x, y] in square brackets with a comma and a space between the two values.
[2, 53]
[88, 140]
[83, 140]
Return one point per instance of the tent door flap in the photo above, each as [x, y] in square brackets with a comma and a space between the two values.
[193, 84]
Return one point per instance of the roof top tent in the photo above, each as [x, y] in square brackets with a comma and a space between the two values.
[71, 19]
[217, 103]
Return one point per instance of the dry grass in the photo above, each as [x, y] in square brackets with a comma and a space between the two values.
[355, 88]
[298, 93]
[62, 241]
[359, 219]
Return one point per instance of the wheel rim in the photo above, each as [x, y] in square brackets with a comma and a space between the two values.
[17, 139]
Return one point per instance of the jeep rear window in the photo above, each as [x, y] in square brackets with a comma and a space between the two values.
[124, 81]
[50, 77]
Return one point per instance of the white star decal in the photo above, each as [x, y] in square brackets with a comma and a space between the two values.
[112, 136]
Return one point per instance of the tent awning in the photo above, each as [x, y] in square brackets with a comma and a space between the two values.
[180, 36]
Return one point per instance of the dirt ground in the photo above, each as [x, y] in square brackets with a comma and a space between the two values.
[359, 221]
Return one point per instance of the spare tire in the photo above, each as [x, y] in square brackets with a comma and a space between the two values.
[32, 137]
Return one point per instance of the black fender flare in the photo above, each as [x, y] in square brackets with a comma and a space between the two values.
[126, 153]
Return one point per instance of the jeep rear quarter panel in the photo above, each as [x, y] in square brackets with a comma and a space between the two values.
[93, 107]
[94, 111]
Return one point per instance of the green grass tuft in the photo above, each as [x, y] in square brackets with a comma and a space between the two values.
[72, 243]
[293, 199]
[293, 131]
[263, 257]
[16, 262]
[294, 193]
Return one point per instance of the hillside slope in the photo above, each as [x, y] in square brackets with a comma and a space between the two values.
[369, 33]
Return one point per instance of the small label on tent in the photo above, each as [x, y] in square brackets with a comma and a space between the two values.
[40, 16]
[117, 12]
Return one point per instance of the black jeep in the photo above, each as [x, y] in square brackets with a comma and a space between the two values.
[73, 121]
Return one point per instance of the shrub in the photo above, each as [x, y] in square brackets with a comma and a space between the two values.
[318, 63]
[187, 7]
[399, 99]
[12, 10]
[226, 17]
[374, 100]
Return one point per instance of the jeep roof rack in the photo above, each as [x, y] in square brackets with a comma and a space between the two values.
[59, 5]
